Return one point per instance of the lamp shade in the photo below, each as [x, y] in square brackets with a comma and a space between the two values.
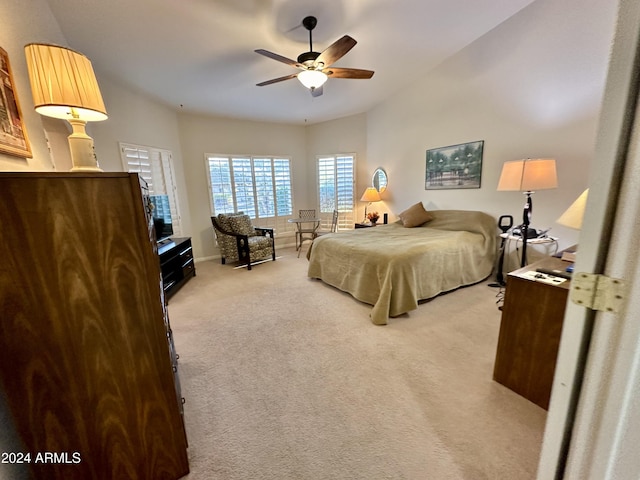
[312, 78]
[572, 217]
[63, 83]
[370, 195]
[528, 175]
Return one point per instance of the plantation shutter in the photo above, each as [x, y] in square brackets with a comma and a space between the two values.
[136, 160]
[282, 185]
[265, 194]
[258, 186]
[220, 186]
[336, 184]
[243, 184]
[155, 166]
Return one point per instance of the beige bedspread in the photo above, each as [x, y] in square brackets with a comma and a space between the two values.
[392, 267]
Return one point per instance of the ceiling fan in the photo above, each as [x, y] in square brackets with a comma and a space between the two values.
[316, 67]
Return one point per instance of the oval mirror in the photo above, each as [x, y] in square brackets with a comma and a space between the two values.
[379, 180]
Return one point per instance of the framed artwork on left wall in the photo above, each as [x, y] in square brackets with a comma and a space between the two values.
[13, 135]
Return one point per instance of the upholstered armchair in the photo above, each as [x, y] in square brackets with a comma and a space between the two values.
[240, 241]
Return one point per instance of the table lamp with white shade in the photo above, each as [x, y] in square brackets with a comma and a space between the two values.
[64, 86]
[370, 195]
[572, 218]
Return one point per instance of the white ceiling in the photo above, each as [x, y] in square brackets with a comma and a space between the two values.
[198, 55]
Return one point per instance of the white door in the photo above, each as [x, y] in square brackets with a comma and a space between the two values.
[592, 427]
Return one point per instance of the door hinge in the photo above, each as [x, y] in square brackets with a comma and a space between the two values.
[597, 292]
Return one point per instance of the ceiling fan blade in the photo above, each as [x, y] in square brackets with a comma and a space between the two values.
[335, 51]
[276, 80]
[279, 58]
[348, 73]
[316, 92]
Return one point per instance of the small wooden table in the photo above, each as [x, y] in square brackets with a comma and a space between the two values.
[530, 330]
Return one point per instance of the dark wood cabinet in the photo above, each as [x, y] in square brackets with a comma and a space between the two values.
[176, 264]
[530, 329]
[86, 359]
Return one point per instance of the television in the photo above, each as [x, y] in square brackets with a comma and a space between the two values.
[161, 214]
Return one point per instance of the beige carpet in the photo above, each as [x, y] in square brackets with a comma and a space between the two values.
[287, 378]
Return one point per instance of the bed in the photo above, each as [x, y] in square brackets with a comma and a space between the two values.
[393, 267]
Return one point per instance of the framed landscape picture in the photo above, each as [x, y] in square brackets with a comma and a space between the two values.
[13, 136]
[454, 166]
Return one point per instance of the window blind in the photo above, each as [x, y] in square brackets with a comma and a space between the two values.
[155, 166]
[336, 185]
[258, 186]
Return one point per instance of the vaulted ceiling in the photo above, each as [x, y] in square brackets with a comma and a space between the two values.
[198, 55]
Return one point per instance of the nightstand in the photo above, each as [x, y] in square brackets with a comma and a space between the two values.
[363, 225]
[537, 249]
[530, 329]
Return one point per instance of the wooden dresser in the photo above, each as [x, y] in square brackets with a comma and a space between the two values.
[86, 356]
[530, 330]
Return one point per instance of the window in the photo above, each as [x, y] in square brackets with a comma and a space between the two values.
[155, 166]
[336, 185]
[257, 186]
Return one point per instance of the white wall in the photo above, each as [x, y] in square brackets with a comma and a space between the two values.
[204, 134]
[23, 22]
[529, 88]
[344, 135]
[133, 116]
[532, 87]
[136, 118]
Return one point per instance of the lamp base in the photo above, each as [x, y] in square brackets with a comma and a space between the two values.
[83, 156]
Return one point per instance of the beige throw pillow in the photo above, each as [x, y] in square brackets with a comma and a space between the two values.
[415, 216]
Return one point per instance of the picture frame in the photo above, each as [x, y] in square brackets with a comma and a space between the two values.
[13, 134]
[454, 166]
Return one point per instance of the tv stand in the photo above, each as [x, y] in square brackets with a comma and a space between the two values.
[176, 264]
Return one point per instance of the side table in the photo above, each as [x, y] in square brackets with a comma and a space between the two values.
[530, 330]
[537, 248]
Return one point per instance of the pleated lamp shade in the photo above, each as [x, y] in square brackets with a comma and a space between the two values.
[63, 83]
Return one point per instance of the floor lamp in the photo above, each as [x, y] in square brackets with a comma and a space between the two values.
[64, 86]
[527, 176]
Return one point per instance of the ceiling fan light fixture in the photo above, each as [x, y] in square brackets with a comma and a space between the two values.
[312, 79]
[314, 65]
